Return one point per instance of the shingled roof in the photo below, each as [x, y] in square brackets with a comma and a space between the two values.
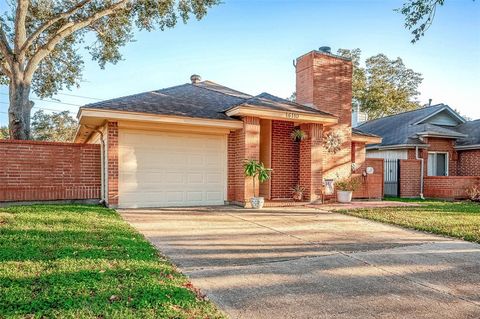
[404, 129]
[204, 99]
[472, 130]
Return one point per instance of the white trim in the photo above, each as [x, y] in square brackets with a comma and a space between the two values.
[397, 146]
[136, 116]
[445, 107]
[444, 135]
[468, 147]
[287, 115]
[446, 162]
[86, 116]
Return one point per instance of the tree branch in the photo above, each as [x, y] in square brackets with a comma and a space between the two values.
[66, 31]
[5, 47]
[49, 23]
[20, 25]
[5, 69]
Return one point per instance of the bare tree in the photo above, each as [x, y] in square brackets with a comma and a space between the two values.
[40, 40]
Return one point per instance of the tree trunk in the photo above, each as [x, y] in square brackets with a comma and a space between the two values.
[19, 110]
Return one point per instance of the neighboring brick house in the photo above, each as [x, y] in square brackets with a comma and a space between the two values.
[447, 144]
[186, 145]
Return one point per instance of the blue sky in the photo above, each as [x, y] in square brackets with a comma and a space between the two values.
[250, 45]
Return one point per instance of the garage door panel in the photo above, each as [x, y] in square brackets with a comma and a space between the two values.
[194, 196]
[171, 169]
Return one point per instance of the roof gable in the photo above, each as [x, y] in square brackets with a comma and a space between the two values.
[405, 129]
[444, 115]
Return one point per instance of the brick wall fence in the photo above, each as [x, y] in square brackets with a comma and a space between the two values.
[372, 184]
[446, 187]
[452, 187]
[35, 171]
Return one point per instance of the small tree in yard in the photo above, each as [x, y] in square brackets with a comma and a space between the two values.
[256, 169]
[40, 41]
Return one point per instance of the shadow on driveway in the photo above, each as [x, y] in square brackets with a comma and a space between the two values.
[305, 263]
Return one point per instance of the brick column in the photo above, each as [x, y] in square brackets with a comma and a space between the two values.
[112, 153]
[251, 127]
[311, 161]
[242, 144]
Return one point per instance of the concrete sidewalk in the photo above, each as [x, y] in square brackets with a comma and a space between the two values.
[305, 263]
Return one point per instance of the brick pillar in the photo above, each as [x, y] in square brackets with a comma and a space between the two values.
[242, 144]
[112, 153]
[311, 161]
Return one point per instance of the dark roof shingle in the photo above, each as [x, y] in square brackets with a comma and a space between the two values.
[401, 129]
[204, 99]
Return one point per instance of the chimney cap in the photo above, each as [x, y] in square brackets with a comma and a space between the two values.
[325, 49]
[195, 78]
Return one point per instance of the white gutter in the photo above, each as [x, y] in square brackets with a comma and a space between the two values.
[104, 166]
[397, 146]
[421, 172]
[468, 147]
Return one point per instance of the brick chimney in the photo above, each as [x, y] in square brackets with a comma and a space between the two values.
[324, 82]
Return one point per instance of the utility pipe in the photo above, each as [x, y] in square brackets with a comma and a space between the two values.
[104, 164]
[421, 172]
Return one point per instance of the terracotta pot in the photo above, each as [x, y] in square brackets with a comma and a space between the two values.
[257, 202]
[344, 196]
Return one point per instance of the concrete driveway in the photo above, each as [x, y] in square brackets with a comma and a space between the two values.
[306, 263]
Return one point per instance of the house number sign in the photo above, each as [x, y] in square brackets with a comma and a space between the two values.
[290, 115]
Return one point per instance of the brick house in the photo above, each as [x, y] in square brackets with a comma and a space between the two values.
[438, 150]
[185, 145]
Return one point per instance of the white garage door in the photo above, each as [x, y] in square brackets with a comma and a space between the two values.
[159, 169]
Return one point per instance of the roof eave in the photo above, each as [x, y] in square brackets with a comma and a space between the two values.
[93, 117]
[445, 107]
[396, 146]
[444, 135]
[467, 147]
[293, 116]
[366, 139]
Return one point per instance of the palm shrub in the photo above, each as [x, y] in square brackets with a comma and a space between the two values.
[255, 169]
[298, 135]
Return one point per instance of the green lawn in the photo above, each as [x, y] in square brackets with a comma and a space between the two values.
[81, 261]
[455, 219]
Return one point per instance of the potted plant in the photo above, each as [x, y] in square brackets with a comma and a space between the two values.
[297, 193]
[345, 188]
[298, 135]
[256, 169]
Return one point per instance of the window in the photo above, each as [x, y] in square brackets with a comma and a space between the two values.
[437, 164]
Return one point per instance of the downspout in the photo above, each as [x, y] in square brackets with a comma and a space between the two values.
[421, 172]
[103, 158]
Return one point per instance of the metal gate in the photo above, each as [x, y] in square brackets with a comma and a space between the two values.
[391, 177]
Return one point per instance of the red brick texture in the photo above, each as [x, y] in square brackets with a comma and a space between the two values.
[372, 184]
[410, 172]
[442, 145]
[358, 153]
[242, 144]
[311, 161]
[438, 145]
[36, 171]
[112, 151]
[449, 187]
[285, 160]
[469, 163]
[324, 81]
